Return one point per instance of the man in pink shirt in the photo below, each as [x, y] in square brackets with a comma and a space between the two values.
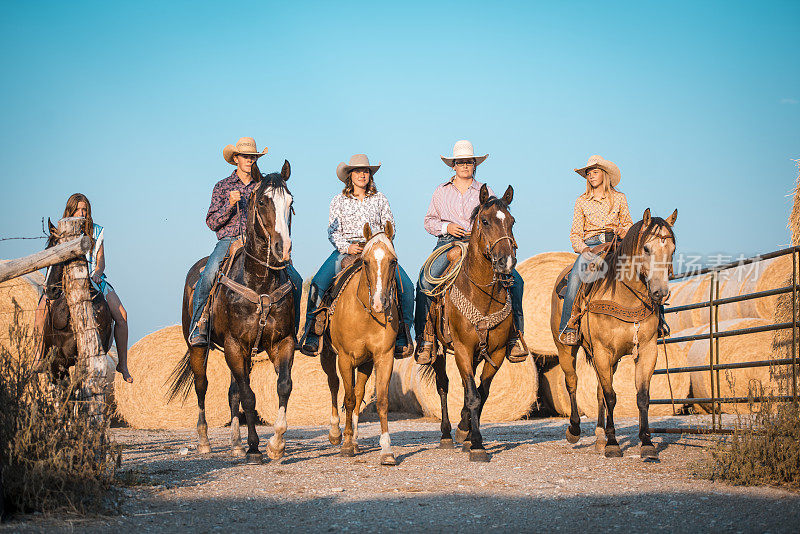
[448, 218]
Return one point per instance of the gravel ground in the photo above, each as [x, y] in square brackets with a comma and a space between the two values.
[535, 481]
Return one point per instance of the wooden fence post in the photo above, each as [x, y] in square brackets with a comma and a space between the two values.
[90, 362]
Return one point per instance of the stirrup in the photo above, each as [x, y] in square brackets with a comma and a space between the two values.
[569, 337]
[198, 337]
[517, 350]
[404, 351]
[424, 354]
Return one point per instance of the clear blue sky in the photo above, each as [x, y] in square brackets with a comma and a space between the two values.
[131, 104]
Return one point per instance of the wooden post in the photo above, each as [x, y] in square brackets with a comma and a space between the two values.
[45, 258]
[76, 290]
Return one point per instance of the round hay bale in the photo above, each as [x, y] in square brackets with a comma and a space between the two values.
[539, 273]
[310, 400]
[683, 294]
[773, 274]
[744, 348]
[151, 360]
[625, 384]
[401, 394]
[511, 397]
[554, 390]
[25, 291]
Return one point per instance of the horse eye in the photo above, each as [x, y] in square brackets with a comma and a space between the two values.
[646, 249]
[484, 222]
[260, 202]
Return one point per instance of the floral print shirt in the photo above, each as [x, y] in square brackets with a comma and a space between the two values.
[222, 217]
[348, 214]
[593, 216]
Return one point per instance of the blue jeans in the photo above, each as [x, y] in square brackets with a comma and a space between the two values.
[209, 274]
[438, 268]
[574, 282]
[331, 267]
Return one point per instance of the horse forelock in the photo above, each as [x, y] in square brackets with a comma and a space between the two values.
[491, 201]
[380, 237]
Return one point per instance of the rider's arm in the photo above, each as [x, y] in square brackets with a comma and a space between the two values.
[335, 233]
[220, 211]
[576, 232]
[433, 222]
[625, 221]
[99, 261]
[386, 212]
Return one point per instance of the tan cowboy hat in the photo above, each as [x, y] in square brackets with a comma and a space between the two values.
[463, 150]
[598, 162]
[245, 145]
[359, 161]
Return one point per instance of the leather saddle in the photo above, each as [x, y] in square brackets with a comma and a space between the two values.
[351, 265]
[601, 251]
[234, 251]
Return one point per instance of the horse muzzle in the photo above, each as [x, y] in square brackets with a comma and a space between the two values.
[503, 264]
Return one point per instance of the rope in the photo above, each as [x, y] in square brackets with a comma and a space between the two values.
[669, 381]
[442, 283]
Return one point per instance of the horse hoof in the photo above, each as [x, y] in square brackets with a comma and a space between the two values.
[238, 450]
[335, 440]
[461, 435]
[573, 438]
[446, 444]
[388, 459]
[204, 448]
[600, 445]
[273, 453]
[613, 451]
[356, 448]
[254, 458]
[649, 452]
[348, 452]
[478, 455]
[466, 447]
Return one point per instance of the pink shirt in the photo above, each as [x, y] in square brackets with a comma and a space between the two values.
[448, 205]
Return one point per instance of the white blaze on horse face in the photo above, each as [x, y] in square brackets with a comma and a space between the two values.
[501, 215]
[376, 298]
[282, 201]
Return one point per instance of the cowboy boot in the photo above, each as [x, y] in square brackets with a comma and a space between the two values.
[517, 349]
[403, 348]
[199, 336]
[663, 327]
[569, 337]
[309, 343]
[424, 354]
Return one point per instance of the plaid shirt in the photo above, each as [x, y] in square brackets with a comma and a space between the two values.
[448, 205]
[593, 216]
[222, 217]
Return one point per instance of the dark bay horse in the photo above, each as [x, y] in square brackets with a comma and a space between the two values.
[477, 312]
[621, 318]
[362, 334]
[57, 329]
[253, 312]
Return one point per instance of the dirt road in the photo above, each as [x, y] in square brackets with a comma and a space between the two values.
[535, 481]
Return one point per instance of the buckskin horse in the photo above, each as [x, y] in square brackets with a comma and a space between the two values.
[619, 317]
[57, 331]
[252, 311]
[474, 317]
[361, 335]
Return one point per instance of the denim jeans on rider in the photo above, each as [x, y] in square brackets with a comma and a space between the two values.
[438, 267]
[327, 272]
[203, 288]
[574, 282]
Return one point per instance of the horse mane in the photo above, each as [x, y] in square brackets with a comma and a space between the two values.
[491, 201]
[631, 243]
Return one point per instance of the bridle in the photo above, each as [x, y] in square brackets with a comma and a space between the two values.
[504, 280]
[392, 286]
[260, 222]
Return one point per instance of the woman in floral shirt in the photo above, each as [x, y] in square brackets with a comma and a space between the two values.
[359, 202]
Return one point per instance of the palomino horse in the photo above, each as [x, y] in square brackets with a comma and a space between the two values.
[57, 332]
[362, 333]
[477, 312]
[621, 318]
[253, 311]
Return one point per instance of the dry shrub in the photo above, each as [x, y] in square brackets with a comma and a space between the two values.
[55, 457]
[764, 449]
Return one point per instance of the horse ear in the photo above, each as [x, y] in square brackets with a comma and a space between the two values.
[508, 196]
[672, 218]
[484, 194]
[367, 232]
[286, 170]
[646, 219]
[389, 230]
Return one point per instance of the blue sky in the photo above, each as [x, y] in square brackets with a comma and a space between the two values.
[131, 104]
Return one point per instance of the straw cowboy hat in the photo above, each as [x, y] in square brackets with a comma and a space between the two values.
[245, 145]
[597, 162]
[463, 150]
[359, 161]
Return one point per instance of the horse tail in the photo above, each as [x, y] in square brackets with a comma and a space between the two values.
[181, 379]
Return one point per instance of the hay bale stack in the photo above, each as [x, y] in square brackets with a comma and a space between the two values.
[539, 273]
[151, 360]
[511, 397]
[775, 273]
[401, 394]
[681, 294]
[554, 389]
[745, 348]
[625, 384]
[310, 401]
[25, 291]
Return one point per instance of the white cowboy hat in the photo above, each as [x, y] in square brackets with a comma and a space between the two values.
[598, 162]
[463, 150]
[359, 161]
[245, 145]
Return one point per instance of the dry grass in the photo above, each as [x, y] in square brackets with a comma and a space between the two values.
[54, 456]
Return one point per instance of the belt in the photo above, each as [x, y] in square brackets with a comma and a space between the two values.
[604, 237]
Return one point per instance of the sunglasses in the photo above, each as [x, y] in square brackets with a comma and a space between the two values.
[465, 162]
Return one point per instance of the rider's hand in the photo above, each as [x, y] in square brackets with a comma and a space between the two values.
[455, 230]
[234, 197]
[587, 254]
[355, 248]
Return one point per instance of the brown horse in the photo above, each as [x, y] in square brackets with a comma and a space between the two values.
[57, 331]
[253, 311]
[362, 333]
[621, 318]
[477, 312]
